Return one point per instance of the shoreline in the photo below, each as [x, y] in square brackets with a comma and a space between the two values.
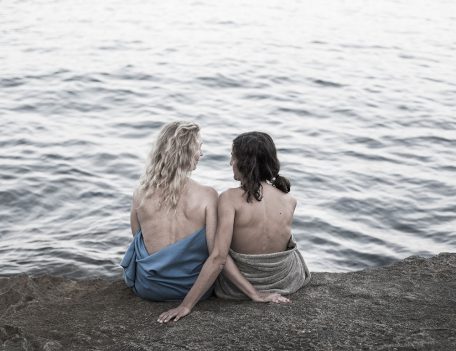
[409, 304]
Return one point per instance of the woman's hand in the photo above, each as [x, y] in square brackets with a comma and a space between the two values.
[176, 313]
[270, 297]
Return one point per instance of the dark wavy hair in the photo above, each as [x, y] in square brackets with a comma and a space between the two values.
[256, 160]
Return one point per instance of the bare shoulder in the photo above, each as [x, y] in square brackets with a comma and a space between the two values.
[232, 193]
[286, 197]
[137, 195]
[231, 196]
[293, 200]
[290, 198]
[204, 192]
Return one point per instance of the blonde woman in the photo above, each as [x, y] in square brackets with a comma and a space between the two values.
[173, 219]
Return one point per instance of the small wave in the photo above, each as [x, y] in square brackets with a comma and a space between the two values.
[327, 83]
[83, 78]
[425, 140]
[368, 141]
[372, 157]
[221, 81]
[11, 82]
[124, 74]
[356, 259]
[148, 125]
[295, 111]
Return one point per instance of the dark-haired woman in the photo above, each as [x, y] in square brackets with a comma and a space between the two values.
[253, 245]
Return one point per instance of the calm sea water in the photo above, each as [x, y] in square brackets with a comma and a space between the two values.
[359, 96]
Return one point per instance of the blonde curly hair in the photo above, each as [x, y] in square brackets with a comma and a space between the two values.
[170, 162]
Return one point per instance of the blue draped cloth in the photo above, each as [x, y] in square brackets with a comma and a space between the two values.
[167, 274]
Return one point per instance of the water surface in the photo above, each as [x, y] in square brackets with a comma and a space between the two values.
[358, 95]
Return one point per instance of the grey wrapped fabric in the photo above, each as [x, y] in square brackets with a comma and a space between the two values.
[281, 272]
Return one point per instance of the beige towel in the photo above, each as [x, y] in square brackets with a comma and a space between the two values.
[281, 272]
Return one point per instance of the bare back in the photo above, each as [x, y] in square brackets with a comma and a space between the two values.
[161, 227]
[262, 226]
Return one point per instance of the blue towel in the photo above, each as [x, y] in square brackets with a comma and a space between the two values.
[167, 274]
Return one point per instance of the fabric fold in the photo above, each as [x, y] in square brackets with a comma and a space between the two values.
[281, 272]
[167, 274]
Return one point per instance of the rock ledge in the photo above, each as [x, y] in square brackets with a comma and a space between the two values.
[410, 305]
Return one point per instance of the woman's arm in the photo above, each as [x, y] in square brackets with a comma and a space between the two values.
[134, 223]
[213, 265]
[232, 272]
[211, 219]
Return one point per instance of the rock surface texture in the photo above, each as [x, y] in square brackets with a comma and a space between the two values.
[410, 305]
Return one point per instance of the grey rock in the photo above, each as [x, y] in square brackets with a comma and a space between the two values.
[410, 305]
